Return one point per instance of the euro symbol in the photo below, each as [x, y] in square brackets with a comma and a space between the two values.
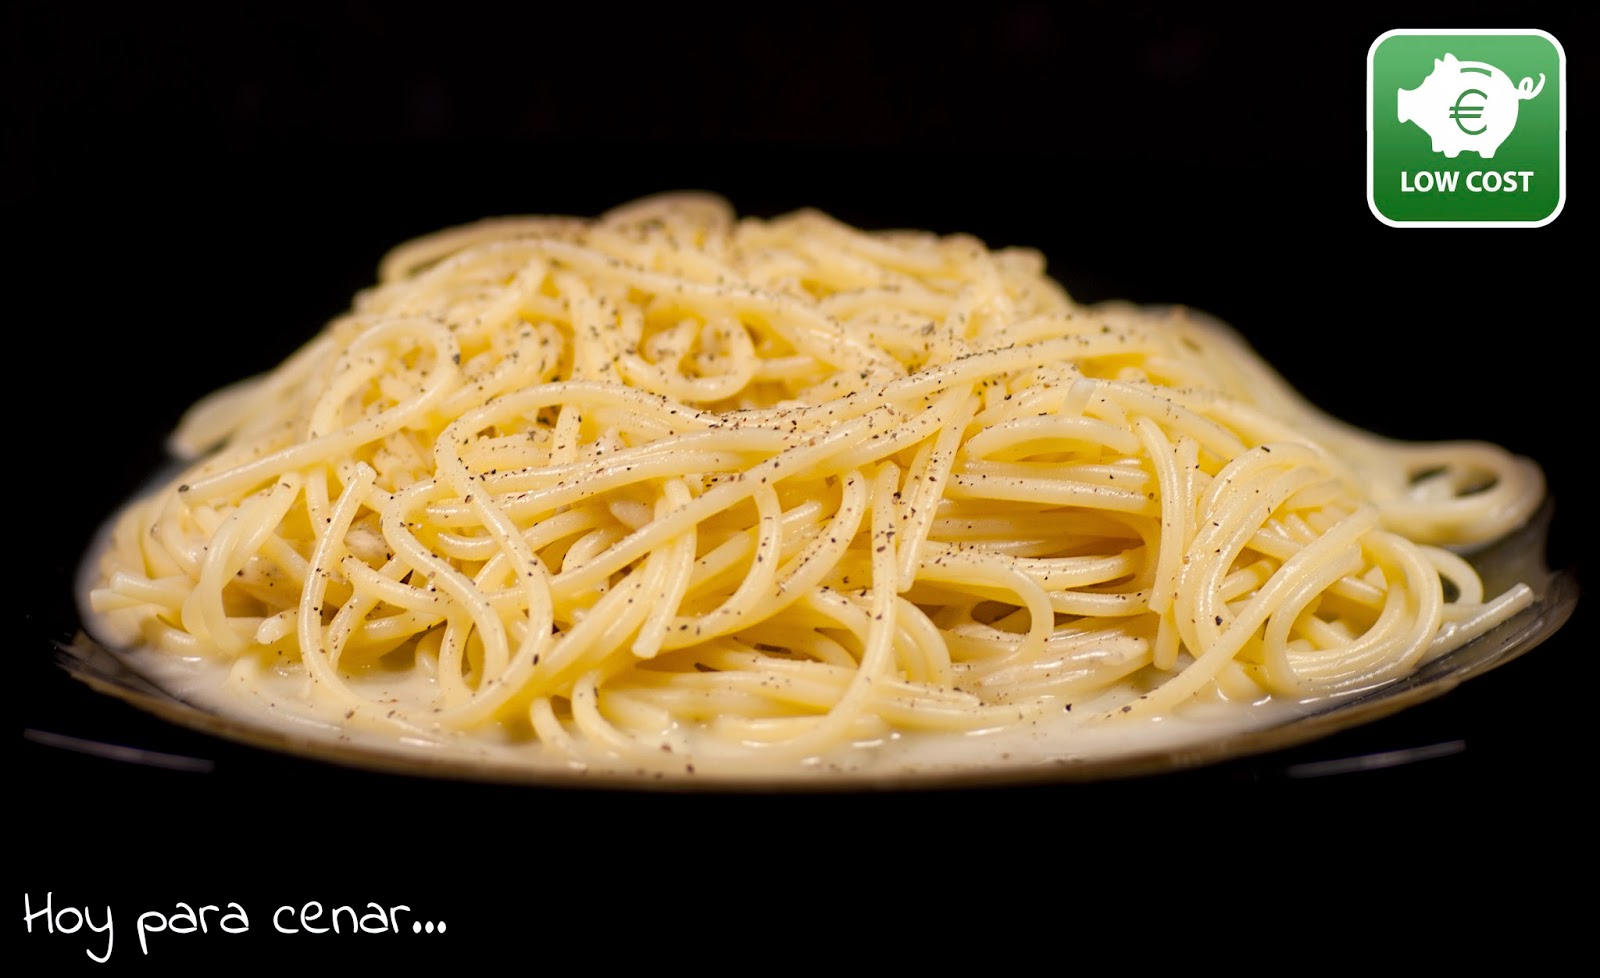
[1459, 112]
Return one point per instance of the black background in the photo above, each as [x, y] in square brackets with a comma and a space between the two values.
[196, 192]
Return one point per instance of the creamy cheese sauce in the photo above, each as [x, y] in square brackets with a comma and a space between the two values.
[279, 707]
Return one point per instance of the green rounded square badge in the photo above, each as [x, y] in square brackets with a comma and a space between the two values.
[1466, 128]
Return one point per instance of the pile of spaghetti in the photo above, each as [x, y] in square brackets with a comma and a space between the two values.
[672, 487]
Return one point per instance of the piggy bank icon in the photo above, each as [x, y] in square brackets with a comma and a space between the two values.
[1466, 105]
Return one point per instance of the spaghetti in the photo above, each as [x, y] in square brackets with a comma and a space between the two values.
[674, 490]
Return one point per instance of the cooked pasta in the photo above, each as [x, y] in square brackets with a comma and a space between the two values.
[674, 490]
